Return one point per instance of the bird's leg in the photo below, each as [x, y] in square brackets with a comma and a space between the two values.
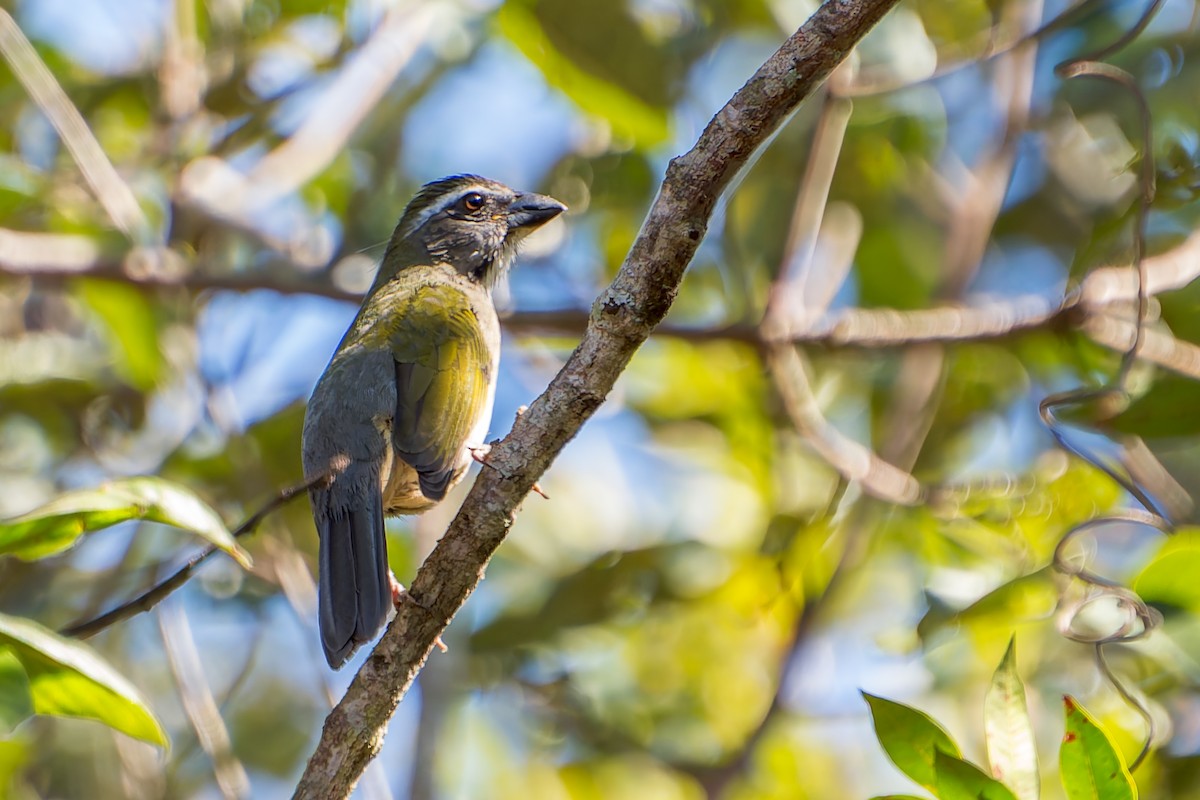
[480, 454]
[402, 595]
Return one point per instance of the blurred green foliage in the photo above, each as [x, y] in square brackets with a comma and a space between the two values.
[694, 613]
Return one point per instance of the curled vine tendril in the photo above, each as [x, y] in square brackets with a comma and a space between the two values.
[1140, 618]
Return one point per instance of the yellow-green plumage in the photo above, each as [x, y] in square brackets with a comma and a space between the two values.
[439, 338]
[409, 390]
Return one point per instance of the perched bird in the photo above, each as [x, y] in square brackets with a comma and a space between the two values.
[409, 390]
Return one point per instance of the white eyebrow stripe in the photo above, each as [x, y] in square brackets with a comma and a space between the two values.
[447, 202]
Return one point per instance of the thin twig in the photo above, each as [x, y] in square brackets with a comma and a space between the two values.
[798, 295]
[1108, 72]
[227, 194]
[1113, 392]
[157, 593]
[68, 253]
[182, 72]
[886, 82]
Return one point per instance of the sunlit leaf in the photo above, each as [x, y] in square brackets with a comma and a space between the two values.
[1179, 307]
[57, 525]
[1092, 767]
[629, 116]
[911, 739]
[68, 679]
[14, 754]
[133, 332]
[1029, 597]
[1170, 578]
[1012, 751]
[16, 703]
[961, 780]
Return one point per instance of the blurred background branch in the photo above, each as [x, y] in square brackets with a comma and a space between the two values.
[198, 702]
[110, 189]
[1102, 293]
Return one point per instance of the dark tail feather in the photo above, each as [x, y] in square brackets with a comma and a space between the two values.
[354, 591]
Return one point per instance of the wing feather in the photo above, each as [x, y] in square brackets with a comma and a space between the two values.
[442, 365]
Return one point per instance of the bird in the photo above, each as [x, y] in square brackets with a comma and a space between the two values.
[394, 420]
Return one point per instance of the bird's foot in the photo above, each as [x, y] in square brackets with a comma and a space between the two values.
[480, 454]
[401, 595]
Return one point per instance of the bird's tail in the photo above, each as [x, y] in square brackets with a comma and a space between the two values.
[353, 587]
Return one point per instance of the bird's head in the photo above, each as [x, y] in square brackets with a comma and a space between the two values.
[471, 223]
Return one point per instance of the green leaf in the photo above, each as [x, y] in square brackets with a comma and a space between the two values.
[68, 679]
[962, 780]
[1092, 767]
[16, 703]
[1170, 578]
[897, 797]
[1029, 597]
[1012, 751]
[628, 115]
[57, 525]
[14, 755]
[1168, 410]
[133, 333]
[910, 738]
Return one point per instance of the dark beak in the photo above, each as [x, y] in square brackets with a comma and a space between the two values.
[529, 211]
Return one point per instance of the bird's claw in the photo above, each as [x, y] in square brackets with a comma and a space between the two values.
[480, 454]
[401, 595]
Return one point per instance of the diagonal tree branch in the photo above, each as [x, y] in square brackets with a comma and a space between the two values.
[622, 318]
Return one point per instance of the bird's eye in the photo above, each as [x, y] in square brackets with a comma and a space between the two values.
[473, 201]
